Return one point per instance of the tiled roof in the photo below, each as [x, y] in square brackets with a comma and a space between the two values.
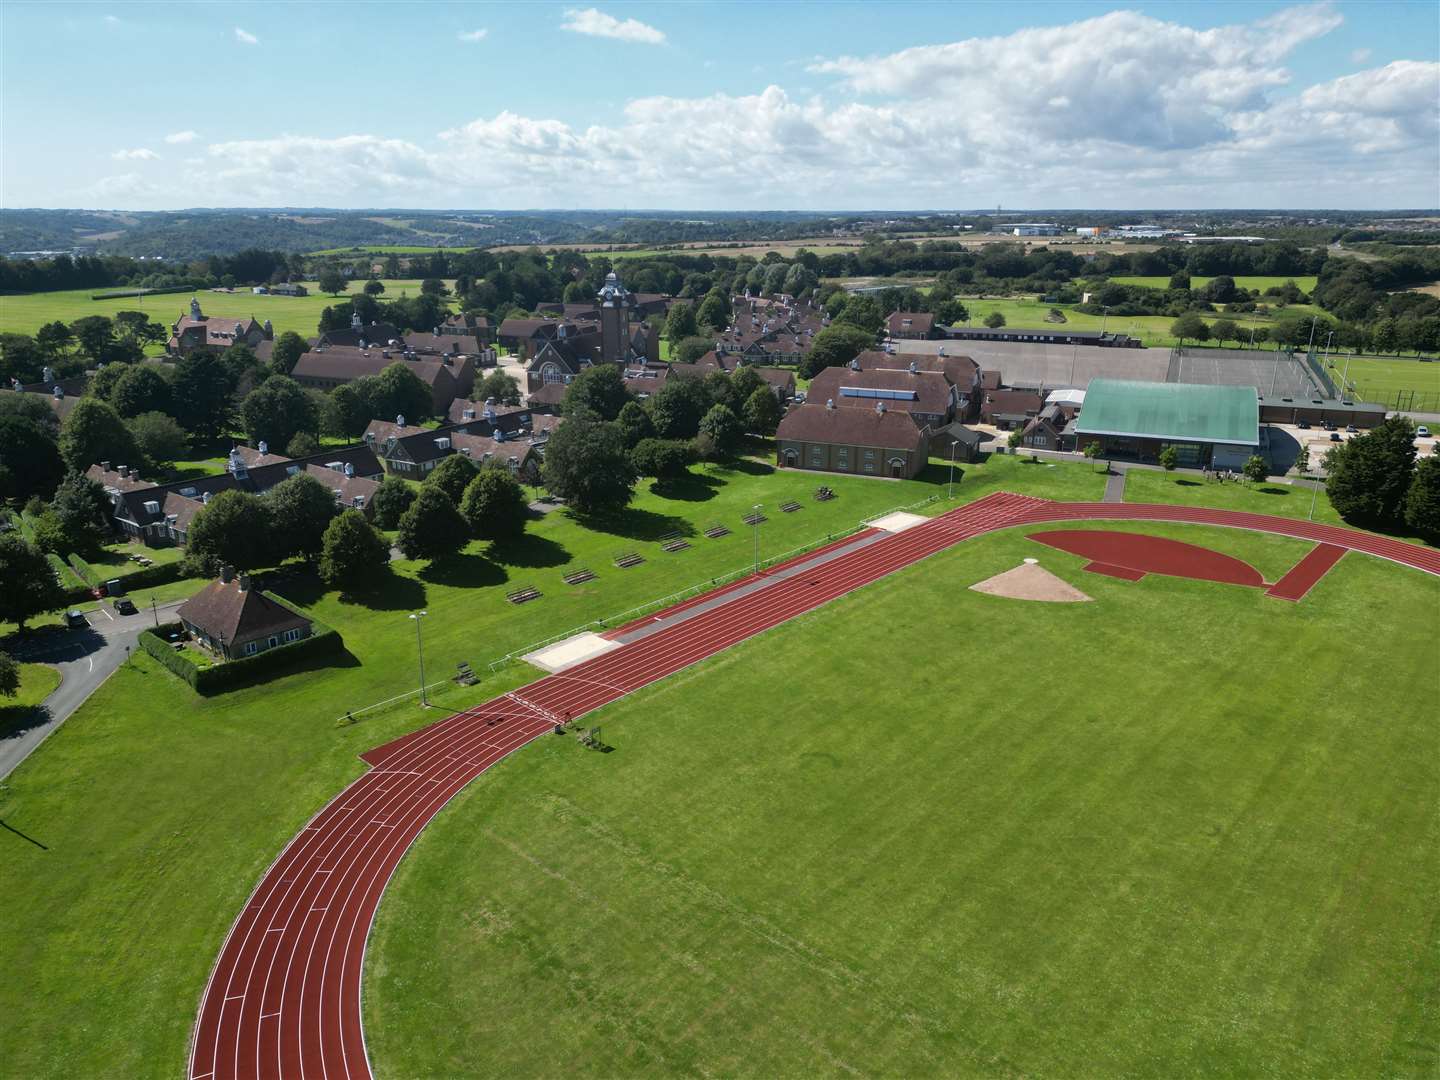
[891, 429]
[228, 613]
[931, 388]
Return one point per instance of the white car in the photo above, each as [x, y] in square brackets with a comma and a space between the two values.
[1423, 431]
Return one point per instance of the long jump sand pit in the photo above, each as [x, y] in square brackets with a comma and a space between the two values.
[571, 651]
[899, 521]
[1031, 581]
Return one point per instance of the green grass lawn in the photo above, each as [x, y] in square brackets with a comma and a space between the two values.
[1305, 282]
[928, 832]
[161, 808]
[37, 682]
[1153, 330]
[27, 313]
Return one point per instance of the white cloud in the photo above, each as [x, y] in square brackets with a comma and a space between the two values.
[112, 20]
[308, 171]
[139, 154]
[182, 137]
[596, 23]
[245, 37]
[1361, 56]
[474, 35]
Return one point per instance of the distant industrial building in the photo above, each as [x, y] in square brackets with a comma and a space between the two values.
[1031, 228]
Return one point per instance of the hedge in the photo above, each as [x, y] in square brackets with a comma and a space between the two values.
[83, 570]
[68, 579]
[232, 674]
[122, 294]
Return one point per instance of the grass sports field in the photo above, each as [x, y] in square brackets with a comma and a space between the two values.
[1381, 380]
[27, 313]
[1153, 330]
[1137, 836]
[1305, 282]
[160, 809]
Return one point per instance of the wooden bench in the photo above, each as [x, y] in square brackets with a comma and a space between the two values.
[789, 507]
[522, 595]
[579, 577]
[716, 531]
[464, 676]
[755, 519]
[823, 494]
[673, 541]
[627, 559]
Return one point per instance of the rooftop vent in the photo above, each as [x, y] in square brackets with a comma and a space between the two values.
[400, 420]
[443, 442]
[151, 506]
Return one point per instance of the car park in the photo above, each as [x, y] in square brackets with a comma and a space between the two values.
[124, 606]
[1423, 431]
[75, 619]
[1335, 436]
[1351, 429]
[1303, 425]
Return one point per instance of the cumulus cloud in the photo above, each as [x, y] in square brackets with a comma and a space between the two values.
[138, 154]
[304, 170]
[474, 35]
[245, 37]
[182, 137]
[596, 23]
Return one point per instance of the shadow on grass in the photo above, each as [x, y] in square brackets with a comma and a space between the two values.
[534, 552]
[337, 660]
[1189, 483]
[748, 466]
[1274, 491]
[464, 572]
[635, 524]
[388, 592]
[687, 488]
[15, 720]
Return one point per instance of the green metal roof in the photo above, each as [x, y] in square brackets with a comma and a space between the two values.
[1180, 412]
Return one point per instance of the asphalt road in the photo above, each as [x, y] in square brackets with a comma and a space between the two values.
[85, 659]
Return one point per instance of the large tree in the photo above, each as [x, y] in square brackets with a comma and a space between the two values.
[276, 410]
[352, 551]
[714, 311]
[762, 412]
[635, 423]
[301, 508]
[586, 464]
[1422, 501]
[27, 583]
[453, 476]
[1369, 476]
[662, 458]
[680, 323]
[140, 389]
[432, 527]
[202, 389]
[233, 528]
[345, 412]
[94, 432]
[499, 385]
[93, 334]
[392, 498]
[82, 510]
[289, 347]
[724, 429]
[494, 505]
[864, 312]
[332, 281]
[30, 462]
[397, 391]
[677, 408]
[9, 676]
[1190, 327]
[598, 393]
[159, 437]
[835, 346]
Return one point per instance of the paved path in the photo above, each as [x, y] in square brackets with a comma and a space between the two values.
[284, 997]
[85, 659]
[1115, 484]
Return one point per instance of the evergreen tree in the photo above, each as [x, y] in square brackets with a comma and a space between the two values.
[634, 423]
[276, 411]
[1422, 501]
[82, 510]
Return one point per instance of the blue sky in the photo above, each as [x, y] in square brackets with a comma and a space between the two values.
[720, 105]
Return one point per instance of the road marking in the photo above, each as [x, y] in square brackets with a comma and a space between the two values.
[92, 663]
[107, 614]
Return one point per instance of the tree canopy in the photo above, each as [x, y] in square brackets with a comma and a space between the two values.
[277, 410]
[392, 498]
[94, 432]
[587, 465]
[494, 505]
[233, 528]
[835, 346]
[27, 584]
[453, 476]
[432, 527]
[352, 552]
[301, 508]
[597, 392]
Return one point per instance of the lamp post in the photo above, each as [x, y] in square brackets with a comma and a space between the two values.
[953, 447]
[1314, 322]
[1252, 337]
[420, 649]
[755, 529]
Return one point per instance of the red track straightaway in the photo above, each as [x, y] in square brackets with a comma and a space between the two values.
[284, 996]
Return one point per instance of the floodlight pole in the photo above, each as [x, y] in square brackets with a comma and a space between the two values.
[1252, 337]
[420, 649]
[755, 531]
[953, 447]
[1311, 343]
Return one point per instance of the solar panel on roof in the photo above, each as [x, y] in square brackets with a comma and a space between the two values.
[877, 392]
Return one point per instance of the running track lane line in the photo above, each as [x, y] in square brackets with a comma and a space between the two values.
[284, 996]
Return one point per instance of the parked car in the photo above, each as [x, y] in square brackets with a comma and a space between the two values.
[115, 587]
[1327, 425]
[124, 606]
[1423, 431]
[1335, 436]
[1351, 429]
[98, 592]
[75, 619]
[1303, 425]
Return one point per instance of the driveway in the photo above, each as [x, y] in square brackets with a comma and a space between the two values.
[85, 659]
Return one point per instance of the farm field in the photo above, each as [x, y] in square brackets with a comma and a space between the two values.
[1163, 850]
[24, 314]
[150, 791]
[1305, 282]
[389, 249]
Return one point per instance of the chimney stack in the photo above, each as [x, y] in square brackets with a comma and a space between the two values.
[244, 582]
[226, 573]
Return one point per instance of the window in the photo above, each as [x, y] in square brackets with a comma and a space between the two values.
[869, 455]
[292, 634]
[869, 466]
[273, 641]
[251, 648]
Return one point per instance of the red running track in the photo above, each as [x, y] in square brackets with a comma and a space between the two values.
[284, 996]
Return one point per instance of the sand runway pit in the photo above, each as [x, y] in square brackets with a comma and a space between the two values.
[1031, 581]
